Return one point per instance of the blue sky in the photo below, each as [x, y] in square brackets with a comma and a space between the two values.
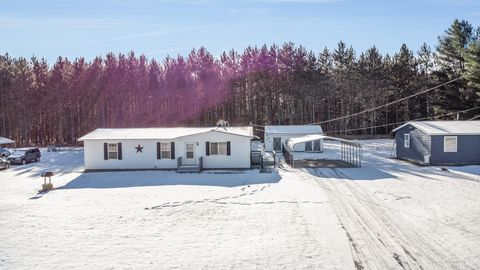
[72, 28]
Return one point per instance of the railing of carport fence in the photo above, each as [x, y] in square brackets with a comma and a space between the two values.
[351, 154]
[361, 156]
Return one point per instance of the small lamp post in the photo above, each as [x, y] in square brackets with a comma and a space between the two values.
[47, 186]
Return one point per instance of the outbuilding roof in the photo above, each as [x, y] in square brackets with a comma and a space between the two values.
[4, 140]
[294, 129]
[445, 127]
[160, 133]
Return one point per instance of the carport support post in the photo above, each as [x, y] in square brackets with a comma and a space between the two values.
[293, 160]
[361, 156]
[341, 149]
[354, 155]
[351, 154]
[346, 153]
[357, 156]
[347, 158]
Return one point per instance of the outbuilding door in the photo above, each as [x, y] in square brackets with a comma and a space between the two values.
[190, 154]
[277, 144]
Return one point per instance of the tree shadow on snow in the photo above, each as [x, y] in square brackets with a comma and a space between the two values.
[166, 178]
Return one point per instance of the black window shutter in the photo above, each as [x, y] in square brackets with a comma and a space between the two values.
[228, 148]
[119, 151]
[159, 152]
[207, 148]
[105, 151]
[172, 150]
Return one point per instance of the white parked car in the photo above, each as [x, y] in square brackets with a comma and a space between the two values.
[4, 152]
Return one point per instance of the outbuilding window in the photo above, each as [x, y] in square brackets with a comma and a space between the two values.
[112, 151]
[218, 148]
[312, 146]
[406, 141]
[450, 144]
[166, 150]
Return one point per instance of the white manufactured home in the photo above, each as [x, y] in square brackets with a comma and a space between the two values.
[168, 148]
[275, 137]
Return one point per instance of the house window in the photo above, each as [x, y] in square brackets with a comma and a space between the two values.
[450, 144]
[112, 151]
[218, 148]
[166, 150]
[406, 141]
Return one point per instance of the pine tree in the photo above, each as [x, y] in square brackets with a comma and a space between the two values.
[472, 73]
[452, 47]
[451, 57]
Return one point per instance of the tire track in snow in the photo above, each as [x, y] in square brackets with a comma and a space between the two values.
[430, 245]
[359, 255]
[373, 234]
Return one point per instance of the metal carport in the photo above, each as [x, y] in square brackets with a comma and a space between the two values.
[351, 153]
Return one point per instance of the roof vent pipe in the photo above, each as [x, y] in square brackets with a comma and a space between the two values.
[222, 123]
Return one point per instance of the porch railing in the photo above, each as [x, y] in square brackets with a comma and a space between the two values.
[179, 162]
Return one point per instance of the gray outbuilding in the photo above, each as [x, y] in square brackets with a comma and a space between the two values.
[439, 142]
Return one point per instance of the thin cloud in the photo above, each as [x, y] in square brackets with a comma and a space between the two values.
[306, 1]
[16, 21]
[145, 34]
[155, 33]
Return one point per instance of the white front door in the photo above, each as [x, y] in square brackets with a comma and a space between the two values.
[190, 154]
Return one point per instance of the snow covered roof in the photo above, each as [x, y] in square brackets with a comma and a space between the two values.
[445, 127]
[4, 140]
[159, 133]
[294, 129]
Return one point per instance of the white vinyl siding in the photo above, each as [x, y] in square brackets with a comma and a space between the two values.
[166, 150]
[218, 148]
[450, 144]
[406, 141]
[112, 151]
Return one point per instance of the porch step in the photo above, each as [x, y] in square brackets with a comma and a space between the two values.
[188, 169]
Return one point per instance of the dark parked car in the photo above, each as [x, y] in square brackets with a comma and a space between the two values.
[4, 163]
[24, 156]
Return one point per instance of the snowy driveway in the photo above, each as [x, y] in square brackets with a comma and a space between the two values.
[401, 216]
[386, 215]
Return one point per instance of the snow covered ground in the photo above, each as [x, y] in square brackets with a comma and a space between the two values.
[389, 214]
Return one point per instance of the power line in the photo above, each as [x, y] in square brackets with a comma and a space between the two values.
[255, 125]
[387, 104]
[402, 122]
